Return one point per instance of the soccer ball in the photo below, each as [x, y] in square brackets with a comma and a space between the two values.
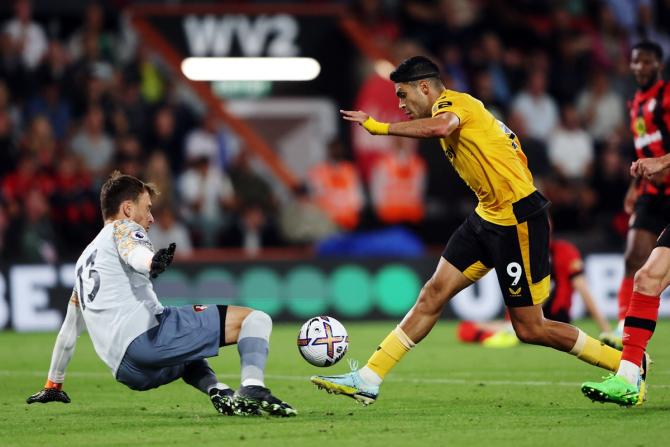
[323, 341]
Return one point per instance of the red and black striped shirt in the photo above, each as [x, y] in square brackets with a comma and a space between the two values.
[650, 124]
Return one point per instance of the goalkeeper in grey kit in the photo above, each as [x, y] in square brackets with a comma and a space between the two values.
[144, 343]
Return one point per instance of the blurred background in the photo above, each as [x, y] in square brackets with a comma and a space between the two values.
[273, 200]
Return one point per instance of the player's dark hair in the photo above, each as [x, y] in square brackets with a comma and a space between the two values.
[120, 187]
[652, 47]
[414, 69]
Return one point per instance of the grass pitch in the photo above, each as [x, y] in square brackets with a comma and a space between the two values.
[442, 393]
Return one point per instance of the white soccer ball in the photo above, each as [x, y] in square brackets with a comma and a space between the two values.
[323, 341]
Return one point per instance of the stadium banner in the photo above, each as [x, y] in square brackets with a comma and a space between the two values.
[267, 31]
[34, 297]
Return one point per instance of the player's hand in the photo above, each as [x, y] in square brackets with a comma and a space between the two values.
[355, 116]
[162, 260]
[49, 395]
[650, 168]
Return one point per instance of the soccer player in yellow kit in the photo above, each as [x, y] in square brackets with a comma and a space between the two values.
[508, 231]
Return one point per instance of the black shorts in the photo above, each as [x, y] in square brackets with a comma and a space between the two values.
[519, 253]
[652, 213]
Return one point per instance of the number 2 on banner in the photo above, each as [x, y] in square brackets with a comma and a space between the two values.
[514, 270]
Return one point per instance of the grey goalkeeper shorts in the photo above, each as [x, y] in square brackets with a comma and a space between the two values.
[183, 335]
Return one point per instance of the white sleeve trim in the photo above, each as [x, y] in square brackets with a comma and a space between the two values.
[72, 327]
[140, 258]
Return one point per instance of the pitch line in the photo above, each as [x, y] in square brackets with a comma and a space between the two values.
[294, 378]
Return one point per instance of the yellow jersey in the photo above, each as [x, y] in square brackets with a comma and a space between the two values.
[488, 157]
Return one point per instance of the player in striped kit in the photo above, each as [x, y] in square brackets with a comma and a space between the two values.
[648, 201]
[145, 344]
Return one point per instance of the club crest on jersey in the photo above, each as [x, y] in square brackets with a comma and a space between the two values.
[640, 126]
[139, 236]
[199, 307]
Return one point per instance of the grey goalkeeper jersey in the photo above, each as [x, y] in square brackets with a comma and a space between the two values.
[117, 302]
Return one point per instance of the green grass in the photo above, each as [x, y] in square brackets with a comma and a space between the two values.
[442, 393]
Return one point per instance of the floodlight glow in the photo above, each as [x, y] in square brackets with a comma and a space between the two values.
[250, 68]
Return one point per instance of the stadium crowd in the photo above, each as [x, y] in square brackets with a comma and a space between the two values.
[76, 105]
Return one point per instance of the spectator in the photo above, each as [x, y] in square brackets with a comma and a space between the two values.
[535, 150]
[51, 104]
[251, 189]
[608, 41]
[398, 185]
[12, 70]
[75, 210]
[380, 27]
[164, 138]
[209, 140]
[92, 143]
[8, 150]
[454, 67]
[93, 28]
[301, 221]
[601, 108]
[55, 67]
[492, 63]
[208, 198]
[39, 143]
[131, 106]
[27, 36]
[256, 205]
[168, 229]
[571, 147]
[610, 183]
[25, 178]
[158, 172]
[10, 109]
[33, 236]
[129, 157]
[336, 188]
[538, 110]
[484, 91]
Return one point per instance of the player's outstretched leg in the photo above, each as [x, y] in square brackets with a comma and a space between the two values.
[253, 345]
[363, 384]
[617, 389]
[629, 385]
[351, 384]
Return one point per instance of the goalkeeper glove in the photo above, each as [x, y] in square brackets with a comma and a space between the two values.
[161, 260]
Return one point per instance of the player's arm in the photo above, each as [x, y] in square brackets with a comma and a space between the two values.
[651, 168]
[72, 327]
[438, 126]
[631, 196]
[136, 250]
[579, 284]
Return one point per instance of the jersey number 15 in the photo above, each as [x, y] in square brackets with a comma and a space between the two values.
[92, 274]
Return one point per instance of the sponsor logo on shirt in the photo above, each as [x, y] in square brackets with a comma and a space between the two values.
[647, 139]
[199, 307]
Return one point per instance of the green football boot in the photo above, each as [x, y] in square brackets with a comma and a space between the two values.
[613, 389]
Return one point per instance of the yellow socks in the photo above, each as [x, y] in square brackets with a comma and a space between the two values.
[596, 353]
[389, 352]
